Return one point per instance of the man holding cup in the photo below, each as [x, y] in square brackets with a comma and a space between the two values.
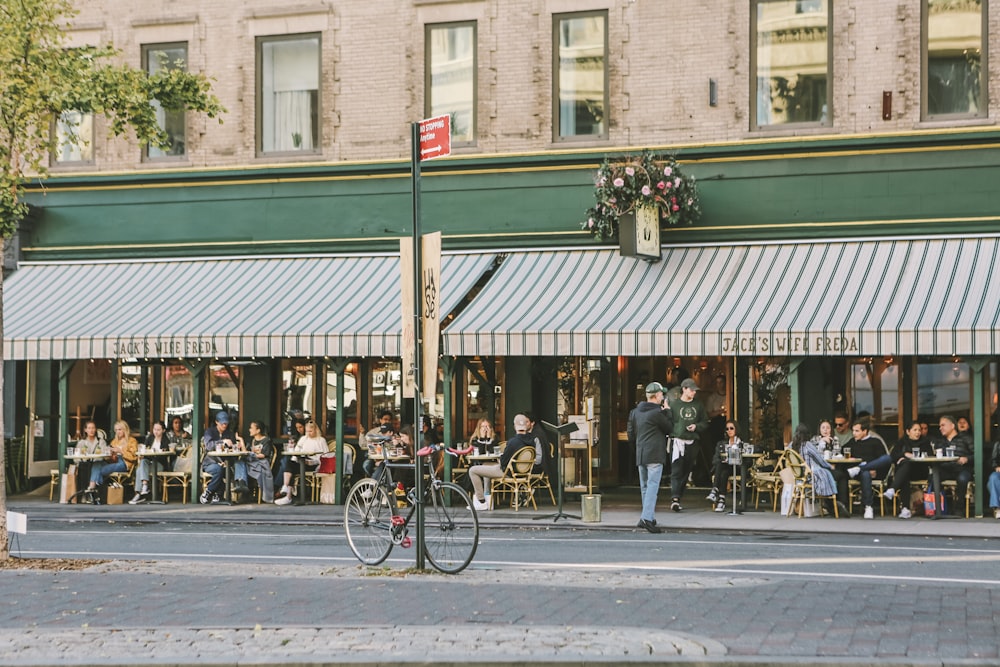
[960, 470]
[874, 465]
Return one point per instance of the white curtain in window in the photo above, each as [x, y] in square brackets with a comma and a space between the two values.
[293, 120]
[290, 84]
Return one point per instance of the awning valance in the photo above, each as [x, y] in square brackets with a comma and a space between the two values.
[868, 297]
[241, 307]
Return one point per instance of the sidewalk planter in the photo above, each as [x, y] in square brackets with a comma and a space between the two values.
[591, 508]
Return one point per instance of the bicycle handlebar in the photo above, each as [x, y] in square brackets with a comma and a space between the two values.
[430, 449]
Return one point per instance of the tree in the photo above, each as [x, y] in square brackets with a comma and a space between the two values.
[40, 79]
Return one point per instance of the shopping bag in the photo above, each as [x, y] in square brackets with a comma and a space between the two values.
[67, 485]
[930, 504]
[328, 490]
[116, 495]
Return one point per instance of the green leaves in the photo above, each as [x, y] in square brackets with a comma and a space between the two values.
[40, 78]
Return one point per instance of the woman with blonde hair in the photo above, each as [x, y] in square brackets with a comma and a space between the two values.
[123, 455]
[484, 437]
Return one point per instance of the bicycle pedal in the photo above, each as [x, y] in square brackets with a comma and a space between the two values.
[406, 543]
[398, 520]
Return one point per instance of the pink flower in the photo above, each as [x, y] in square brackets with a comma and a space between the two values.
[646, 191]
[667, 171]
[602, 181]
[590, 223]
[661, 185]
[618, 182]
[675, 207]
[613, 200]
[669, 185]
[630, 171]
[677, 182]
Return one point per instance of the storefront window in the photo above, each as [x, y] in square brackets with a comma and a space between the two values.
[224, 393]
[350, 400]
[299, 394]
[133, 410]
[875, 390]
[954, 75]
[483, 382]
[386, 393]
[178, 395]
[943, 388]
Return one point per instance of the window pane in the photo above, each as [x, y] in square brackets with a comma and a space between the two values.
[954, 48]
[74, 137]
[224, 393]
[178, 395]
[792, 51]
[289, 97]
[942, 389]
[159, 58]
[452, 67]
[580, 76]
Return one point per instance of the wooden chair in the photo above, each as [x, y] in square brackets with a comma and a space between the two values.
[314, 479]
[878, 488]
[918, 483]
[53, 482]
[516, 476]
[174, 478]
[768, 481]
[540, 480]
[804, 489]
[951, 486]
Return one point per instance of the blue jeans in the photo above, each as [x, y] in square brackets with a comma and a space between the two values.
[99, 473]
[649, 488]
[881, 467]
[993, 484]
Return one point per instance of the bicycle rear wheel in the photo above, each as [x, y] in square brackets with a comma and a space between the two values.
[451, 532]
[368, 521]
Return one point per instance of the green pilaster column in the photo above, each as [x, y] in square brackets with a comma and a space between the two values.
[197, 427]
[448, 365]
[63, 430]
[338, 366]
[979, 417]
[793, 390]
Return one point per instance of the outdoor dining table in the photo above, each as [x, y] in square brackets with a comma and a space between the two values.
[152, 454]
[483, 458]
[233, 455]
[746, 462]
[88, 459]
[301, 499]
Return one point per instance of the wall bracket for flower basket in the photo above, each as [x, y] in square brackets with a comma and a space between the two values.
[639, 234]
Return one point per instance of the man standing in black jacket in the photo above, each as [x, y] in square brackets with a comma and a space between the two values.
[649, 424]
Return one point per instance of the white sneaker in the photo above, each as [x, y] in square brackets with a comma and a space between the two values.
[853, 471]
[869, 512]
[480, 505]
[905, 513]
[284, 500]
[713, 496]
[890, 493]
[720, 506]
[996, 512]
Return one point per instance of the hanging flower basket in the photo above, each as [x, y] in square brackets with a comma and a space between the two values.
[643, 180]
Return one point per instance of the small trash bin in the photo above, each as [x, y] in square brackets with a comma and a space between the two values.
[591, 508]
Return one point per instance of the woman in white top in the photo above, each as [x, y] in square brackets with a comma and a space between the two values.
[311, 443]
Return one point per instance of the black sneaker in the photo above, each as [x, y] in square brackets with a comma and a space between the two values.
[650, 526]
[713, 496]
[205, 497]
[675, 506]
[216, 499]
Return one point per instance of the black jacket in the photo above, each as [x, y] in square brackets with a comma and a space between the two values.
[648, 427]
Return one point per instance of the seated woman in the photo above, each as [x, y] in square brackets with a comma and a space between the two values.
[721, 467]
[484, 437]
[823, 474]
[259, 460]
[123, 454]
[157, 441]
[907, 468]
[311, 443]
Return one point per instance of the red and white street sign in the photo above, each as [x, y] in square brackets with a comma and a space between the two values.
[435, 137]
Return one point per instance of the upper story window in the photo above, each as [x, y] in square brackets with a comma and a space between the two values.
[791, 62]
[155, 58]
[74, 138]
[450, 66]
[580, 56]
[288, 75]
[954, 63]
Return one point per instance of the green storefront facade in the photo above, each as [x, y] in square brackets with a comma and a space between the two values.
[810, 201]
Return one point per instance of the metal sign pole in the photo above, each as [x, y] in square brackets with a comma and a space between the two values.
[418, 477]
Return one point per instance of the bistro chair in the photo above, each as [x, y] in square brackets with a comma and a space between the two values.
[177, 478]
[53, 482]
[951, 487]
[540, 480]
[516, 476]
[803, 490]
[905, 496]
[767, 481]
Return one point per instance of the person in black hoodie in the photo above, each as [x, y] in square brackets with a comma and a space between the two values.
[649, 424]
[960, 470]
[907, 467]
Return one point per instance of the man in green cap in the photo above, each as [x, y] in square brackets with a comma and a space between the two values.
[690, 421]
[649, 424]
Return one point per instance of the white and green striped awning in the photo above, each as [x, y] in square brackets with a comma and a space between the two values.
[242, 307]
[932, 296]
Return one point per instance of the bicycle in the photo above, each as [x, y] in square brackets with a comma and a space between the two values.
[374, 524]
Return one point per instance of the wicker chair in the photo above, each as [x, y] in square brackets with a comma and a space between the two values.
[516, 477]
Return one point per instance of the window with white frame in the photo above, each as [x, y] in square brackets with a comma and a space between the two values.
[791, 62]
[74, 138]
[580, 50]
[450, 67]
[953, 55]
[157, 58]
[288, 94]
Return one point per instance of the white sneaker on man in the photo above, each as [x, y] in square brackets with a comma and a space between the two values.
[853, 471]
[869, 512]
[283, 500]
[996, 512]
[480, 505]
[889, 494]
[905, 513]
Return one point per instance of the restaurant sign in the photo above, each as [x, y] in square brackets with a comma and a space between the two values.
[164, 347]
[796, 344]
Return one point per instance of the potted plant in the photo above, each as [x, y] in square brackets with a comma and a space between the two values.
[646, 180]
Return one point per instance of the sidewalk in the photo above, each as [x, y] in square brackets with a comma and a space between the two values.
[620, 511]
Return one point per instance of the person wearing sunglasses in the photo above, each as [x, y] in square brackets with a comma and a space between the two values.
[721, 467]
[842, 428]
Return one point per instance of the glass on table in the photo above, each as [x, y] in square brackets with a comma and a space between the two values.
[916, 452]
[847, 452]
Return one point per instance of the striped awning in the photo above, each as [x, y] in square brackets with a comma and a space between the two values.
[872, 297]
[245, 307]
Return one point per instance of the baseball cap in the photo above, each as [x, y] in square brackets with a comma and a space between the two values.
[690, 384]
[654, 387]
[222, 417]
[520, 422]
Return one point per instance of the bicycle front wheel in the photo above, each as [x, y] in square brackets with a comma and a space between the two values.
[368, 521]
[451, 531]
